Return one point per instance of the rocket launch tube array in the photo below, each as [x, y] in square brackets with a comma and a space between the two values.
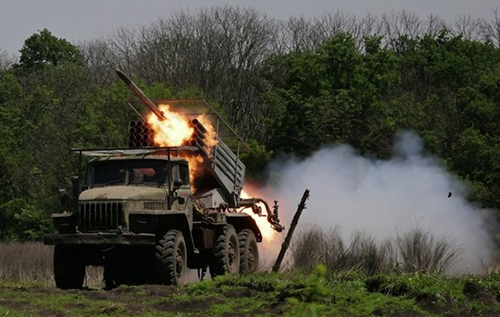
[224, 165]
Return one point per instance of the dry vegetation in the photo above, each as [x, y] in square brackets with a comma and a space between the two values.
[21, 262]
[414, 251]
[26, 262]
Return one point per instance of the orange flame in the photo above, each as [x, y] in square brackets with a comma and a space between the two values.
[211, 135]
[194, 162]
[173, 131]
[177, 130]
[268, 233]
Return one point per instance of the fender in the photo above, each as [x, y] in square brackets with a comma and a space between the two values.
[242, 221]
[160, 223]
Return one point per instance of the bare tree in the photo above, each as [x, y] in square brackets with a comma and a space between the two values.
[491, 30]
[99, 60]
[468, 27]
[6, 60]
[434, 25]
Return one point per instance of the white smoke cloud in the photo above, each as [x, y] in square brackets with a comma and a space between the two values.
[384, 197]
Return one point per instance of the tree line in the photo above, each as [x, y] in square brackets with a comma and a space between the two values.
[285, 86]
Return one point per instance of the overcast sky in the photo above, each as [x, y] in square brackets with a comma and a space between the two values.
[80, 20]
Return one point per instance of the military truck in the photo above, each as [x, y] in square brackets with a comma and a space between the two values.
[138, 213]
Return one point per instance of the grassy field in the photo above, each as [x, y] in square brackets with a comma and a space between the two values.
[267, 294]
[358, 278]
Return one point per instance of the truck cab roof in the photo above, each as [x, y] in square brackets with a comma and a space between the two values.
[138, 158]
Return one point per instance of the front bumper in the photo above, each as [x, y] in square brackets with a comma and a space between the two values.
[100, 239]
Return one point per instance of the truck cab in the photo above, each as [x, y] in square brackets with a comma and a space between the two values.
[120, 189]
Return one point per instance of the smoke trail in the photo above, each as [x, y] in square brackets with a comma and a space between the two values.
[384, 198]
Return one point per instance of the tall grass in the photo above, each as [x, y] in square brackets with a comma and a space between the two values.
[414, 251]
[26, 262]
[419, 251]
[34, 262]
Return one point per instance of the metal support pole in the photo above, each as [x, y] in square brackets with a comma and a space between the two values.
[295, 221]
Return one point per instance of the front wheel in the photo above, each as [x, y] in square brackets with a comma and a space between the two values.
[226, 256]
[69, 270]
[171, 259]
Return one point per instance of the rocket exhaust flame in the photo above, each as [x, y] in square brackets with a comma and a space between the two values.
[176, 129]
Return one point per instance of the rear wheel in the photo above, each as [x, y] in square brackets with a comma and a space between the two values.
[249, 252]
[110, 276]
[171, 259]
[226, 258]
[69, 270]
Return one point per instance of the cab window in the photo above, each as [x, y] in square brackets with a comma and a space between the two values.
[184, 174]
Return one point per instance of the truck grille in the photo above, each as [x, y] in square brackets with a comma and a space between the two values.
[96, 216]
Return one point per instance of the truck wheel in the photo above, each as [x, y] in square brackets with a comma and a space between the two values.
[171, 259]
[69, 270]
[226, 258]
[109, 277]
[112, 276]
[249, 252]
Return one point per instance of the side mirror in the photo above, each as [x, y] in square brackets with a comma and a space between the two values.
[177, 184]
[75, 181]
[181, 200]
[64, 198]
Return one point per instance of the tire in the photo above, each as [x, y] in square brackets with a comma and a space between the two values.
[69, 270]
[226, 256]
[110, 276]
[171, 259]
[249, 251]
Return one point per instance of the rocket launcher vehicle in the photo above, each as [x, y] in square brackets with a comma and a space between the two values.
[220, 176]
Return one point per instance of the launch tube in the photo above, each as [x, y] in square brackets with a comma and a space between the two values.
[200, 141]
[200, 148]
[200, 126]
[138, 92]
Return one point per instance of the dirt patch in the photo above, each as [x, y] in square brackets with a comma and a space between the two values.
[28, 309]
[401, 314]
[109, 310]
[122, 294]
[160, 290]
[193, 306]
[96, 295]
[378, 284]
[15, 305]
[75, 305]
[430, 303]
[50, 313]
[125, 290]
[477, 292]
[240, 292]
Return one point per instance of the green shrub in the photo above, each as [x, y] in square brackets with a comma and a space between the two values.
[20, 221]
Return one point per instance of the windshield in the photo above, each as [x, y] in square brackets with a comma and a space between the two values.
[149, 172]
